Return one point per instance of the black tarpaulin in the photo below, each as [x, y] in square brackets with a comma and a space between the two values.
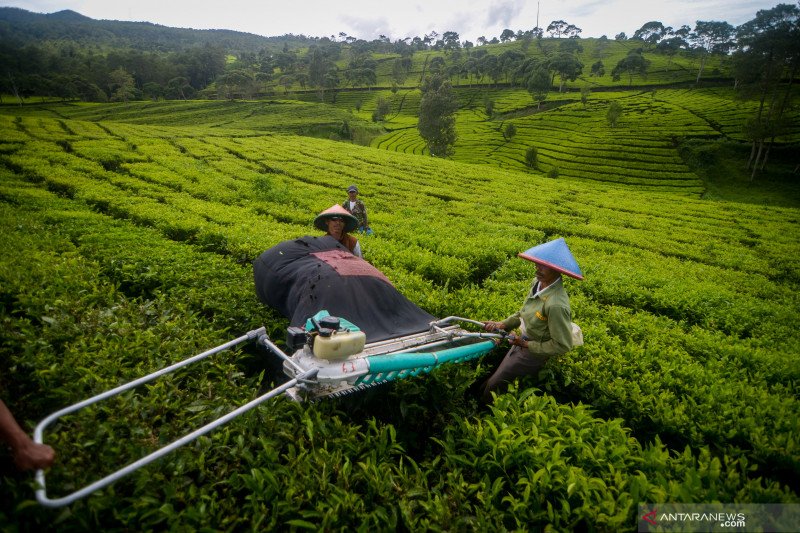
[298, 278]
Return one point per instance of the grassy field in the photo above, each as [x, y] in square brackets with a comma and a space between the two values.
[129, 231]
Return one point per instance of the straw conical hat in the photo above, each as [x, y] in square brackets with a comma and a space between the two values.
[350, 222]
[556, 255]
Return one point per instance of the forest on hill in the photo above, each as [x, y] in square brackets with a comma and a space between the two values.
[375, 86]
[70, 56]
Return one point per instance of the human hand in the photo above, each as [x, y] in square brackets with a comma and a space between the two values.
[517, 341]
[34, 456]
[493, 326]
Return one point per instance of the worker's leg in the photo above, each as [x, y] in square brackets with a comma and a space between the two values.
[517, 362]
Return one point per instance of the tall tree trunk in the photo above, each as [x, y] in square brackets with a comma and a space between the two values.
[766, 156]
[758, 157]
[781, 109]
[759, 133]
[14, 89]
[773, 118]
[752, 155]
[702, 66]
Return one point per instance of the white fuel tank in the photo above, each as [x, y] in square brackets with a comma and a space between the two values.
[339, 345]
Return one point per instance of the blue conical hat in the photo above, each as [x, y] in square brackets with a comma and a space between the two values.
[556, 255]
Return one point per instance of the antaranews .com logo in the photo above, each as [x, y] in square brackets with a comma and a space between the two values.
[703, 517]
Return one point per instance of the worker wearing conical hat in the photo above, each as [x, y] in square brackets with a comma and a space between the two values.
[544, 320]
[337, 223]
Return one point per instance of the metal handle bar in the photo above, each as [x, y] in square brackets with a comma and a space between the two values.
[41, 494]
[450, 319]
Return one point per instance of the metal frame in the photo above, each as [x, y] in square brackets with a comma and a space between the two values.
[41, 492]
[441, 332]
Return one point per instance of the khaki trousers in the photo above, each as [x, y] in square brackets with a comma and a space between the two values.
[517, 362]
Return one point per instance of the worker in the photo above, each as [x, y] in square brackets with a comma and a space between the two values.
[338, 223]
[545, 318]
[357, 208]
[27, 453]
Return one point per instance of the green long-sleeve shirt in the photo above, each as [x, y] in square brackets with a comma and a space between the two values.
[545, 319]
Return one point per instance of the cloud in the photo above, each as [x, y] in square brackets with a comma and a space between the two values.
[503, 12]
[368, 28]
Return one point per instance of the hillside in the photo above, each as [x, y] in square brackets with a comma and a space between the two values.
[129, 247]
[573, 138]
[24, 28]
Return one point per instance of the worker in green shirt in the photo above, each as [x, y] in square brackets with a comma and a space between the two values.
[545, 319]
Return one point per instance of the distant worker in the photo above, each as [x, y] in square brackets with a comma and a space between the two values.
[357, 208]
[27, 453]
[338, 223]
[545, 319]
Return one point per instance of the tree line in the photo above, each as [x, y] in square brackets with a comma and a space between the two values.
[764, 54]
[61, 67]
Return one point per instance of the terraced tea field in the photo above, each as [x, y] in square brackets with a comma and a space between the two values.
[128, 241]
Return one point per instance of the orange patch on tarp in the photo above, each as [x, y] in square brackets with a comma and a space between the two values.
[347, 264]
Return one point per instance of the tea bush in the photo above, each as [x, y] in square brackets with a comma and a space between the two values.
[128, 246]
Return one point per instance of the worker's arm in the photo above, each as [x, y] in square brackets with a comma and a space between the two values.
[27, 454]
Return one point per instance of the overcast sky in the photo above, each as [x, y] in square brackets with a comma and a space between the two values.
[396, 19]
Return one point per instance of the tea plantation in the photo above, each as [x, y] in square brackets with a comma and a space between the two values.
[128, 235]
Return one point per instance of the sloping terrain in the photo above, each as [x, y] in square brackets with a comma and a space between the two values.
[128, 247]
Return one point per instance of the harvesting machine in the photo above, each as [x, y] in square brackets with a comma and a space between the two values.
[349, 329]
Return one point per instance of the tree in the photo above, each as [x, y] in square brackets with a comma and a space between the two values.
[598, 69]
[670, 47]
[285, 81]
[285, 61]
[651, 32]
[572, 31]
[538, 83]
[179, 88]
[490, 65]
[437, 121]
[585, 92]
[203, 64]
[633, 63]
[153, 91]
[362, 73]
[507, 35]
[768, 53]
[557, 28]
[236, 83]
[382, 109]
[570, 46]
[122, 85]
[321, 70]
[509, 131]
[510, 62]
[400, 69]
[331, 81]
[532, 157]
[450, 41]
[488, 106]
[621, 36]
[437, 65]
[711, 37]
[614, 113]
[567, 66]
